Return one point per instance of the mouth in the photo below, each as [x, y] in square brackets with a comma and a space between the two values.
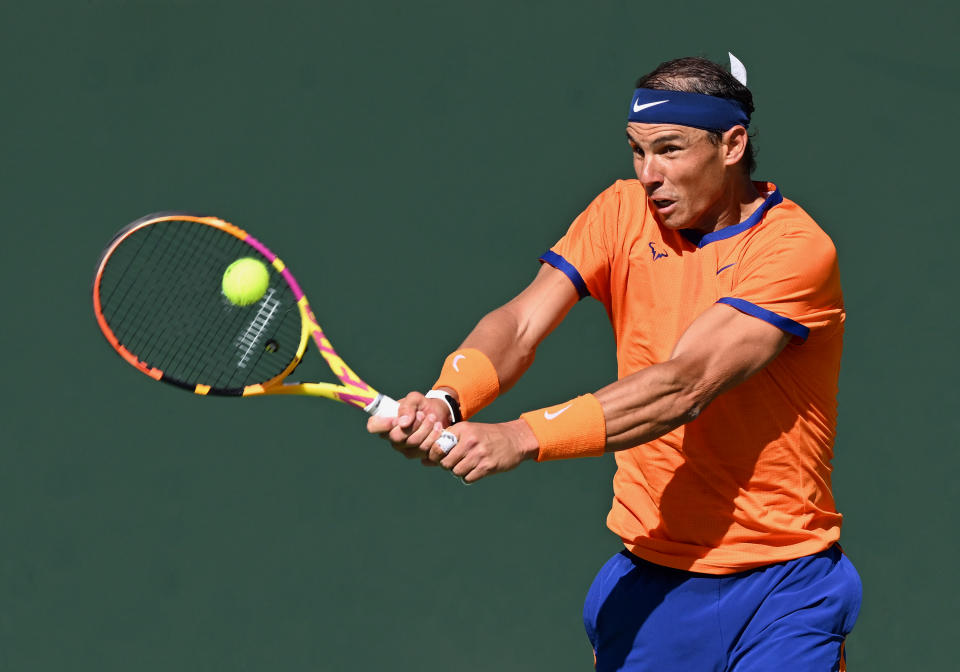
[664, 206]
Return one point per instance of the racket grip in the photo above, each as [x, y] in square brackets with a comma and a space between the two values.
[387, 407]
[383, 406]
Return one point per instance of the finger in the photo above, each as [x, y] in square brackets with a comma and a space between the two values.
[379, 425]
[466, 465]
[407, 409]
[440, 449]
[435, 435]
[440, 409]
[408, 438]
[422, 433]
[404, 434]
[431, 454]
[408, 451]
[405, 418]
[452, 459]
[398, 436]
[446, 441]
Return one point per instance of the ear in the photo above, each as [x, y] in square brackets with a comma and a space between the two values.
[734, 145]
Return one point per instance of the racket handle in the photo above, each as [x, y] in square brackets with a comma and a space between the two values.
[387, 407]
[383, 406]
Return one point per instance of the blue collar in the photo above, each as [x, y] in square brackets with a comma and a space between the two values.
[700, 239]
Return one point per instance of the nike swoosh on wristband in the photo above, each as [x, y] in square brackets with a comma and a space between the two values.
[457, 359]
[550, 416]
[637, 108]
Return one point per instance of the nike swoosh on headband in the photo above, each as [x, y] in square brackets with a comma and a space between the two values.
[637, 108]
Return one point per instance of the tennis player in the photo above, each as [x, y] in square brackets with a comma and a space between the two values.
[725, 299]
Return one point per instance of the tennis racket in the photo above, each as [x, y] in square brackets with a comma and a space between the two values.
[157, 298]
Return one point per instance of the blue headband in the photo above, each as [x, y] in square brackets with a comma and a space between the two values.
[652, 106]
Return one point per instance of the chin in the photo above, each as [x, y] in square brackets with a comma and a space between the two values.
[672, 221]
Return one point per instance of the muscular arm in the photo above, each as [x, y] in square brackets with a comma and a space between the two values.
[721, 349]
[509, 335]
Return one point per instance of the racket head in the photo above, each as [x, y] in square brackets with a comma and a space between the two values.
[158, 301]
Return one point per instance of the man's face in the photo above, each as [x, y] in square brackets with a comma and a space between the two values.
[683, 172]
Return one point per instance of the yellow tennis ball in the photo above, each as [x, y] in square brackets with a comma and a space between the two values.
[245, 281]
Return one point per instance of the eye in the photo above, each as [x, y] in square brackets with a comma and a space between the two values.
[669, 149]
[636, 150]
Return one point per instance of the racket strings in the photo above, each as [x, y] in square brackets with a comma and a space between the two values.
[149, 341]
[255, 357]
[168, 303]
[287, 332]
[139, 278]
[123, 309]
[160, 293]
[199, 334]
[186, 361]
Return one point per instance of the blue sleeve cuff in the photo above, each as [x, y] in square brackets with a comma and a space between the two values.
[779, 321]
[568, 269]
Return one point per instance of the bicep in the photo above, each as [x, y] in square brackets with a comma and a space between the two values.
[720, 349]
[537, 310]
[724, 347]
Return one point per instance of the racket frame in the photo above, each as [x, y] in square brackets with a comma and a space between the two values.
[351, 390]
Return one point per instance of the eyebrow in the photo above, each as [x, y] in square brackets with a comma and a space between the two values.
[662, 140]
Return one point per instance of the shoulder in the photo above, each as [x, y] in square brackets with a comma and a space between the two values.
[789, 255]
[623, 193]
[613, 211]
[633, 194]
[788, 229]
[622, 205]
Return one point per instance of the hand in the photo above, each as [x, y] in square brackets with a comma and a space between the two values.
[484, 449]
[418, 424]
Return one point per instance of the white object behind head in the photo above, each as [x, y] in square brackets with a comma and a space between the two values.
[738, 69]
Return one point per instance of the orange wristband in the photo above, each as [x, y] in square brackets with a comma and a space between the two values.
[575, 428]
[472, 375]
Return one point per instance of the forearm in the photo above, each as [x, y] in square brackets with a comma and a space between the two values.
[509, 336]
[500, 336]
[651, 403]
[720, 350]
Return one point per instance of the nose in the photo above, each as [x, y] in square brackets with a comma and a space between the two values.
[648, 172]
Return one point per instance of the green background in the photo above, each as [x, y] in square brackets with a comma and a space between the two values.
[409, 161]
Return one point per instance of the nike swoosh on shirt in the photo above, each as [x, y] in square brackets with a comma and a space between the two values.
[457, 359]
[725, 267]
[637, 108]
[550, 416]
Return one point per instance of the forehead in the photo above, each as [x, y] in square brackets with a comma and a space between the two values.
[644, 134]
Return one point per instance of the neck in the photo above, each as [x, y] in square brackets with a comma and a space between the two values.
[740, 200]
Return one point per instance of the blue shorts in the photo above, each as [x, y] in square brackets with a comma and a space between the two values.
[790, 616]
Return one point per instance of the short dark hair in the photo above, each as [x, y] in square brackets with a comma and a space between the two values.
[700, 75]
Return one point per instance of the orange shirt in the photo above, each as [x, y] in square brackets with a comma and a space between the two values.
[747, 483]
